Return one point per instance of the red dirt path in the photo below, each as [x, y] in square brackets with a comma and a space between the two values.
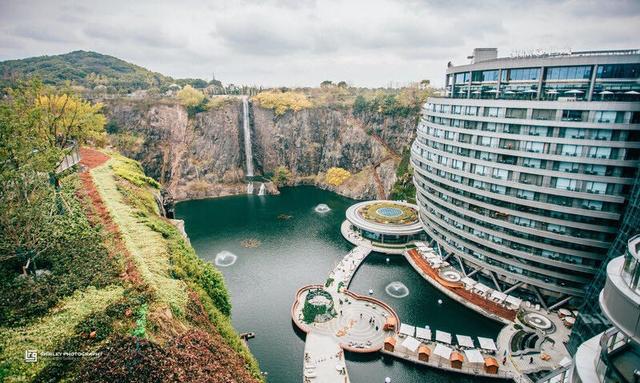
[99, 214]
[92, 158]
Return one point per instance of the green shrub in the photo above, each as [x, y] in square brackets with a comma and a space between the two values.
[140, 330]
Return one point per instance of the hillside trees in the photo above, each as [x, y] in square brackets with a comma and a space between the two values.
[37, 125]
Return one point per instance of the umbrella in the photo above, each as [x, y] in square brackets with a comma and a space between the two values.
[632, 92]
[574, 91]
[411, 344]
[487, 343]
[552, 91]
[606, 92]
[509, 92]
[443, 337]
[464, 340]
[476, 92]
[530, 91]
[492, 91]
[442, 351]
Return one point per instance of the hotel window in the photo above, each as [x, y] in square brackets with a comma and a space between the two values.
[574, 115]
[571, 150]
[490, 112]
[598, 170]
[556, 228]
[601, 134]
[538, 130]
[532, 163]
[618, 71]
[457, 164]
[500, 173]
[566, 184]
[570, 167]
[488, 141]
[456, 109]
[609, 117]
[599, 152]
[499, 189]
[534, 147]
[596, 187]
[572, 133]
[489, 126]
[516, 113]
[521, 74]
[550, 254]
[523, 221]
[525, 194]
[485, 75]
[481, 170]
[471, 111]
[592, 205]
[485, 156]
[462, 77]
[568, 73]
[443, 160]
[544, 114]
[449, 135]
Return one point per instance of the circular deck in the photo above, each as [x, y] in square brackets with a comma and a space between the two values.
[392, 223]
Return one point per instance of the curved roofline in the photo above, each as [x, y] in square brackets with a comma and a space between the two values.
[576, 58]
[383, 228]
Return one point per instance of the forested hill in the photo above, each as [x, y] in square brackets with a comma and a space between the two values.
[89, 70]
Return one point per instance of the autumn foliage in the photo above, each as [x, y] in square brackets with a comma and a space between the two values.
[281, 102]
[336, 176]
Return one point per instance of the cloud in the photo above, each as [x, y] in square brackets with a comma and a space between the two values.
[302, 42]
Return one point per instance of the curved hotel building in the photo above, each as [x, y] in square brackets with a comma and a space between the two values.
[522, 170]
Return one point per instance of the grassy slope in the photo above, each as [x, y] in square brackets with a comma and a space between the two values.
[52, 329]
[166, 262]
[145, 245]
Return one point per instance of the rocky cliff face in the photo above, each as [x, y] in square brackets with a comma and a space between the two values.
[203, 156]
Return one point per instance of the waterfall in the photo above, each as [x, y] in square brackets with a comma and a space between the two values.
[247, 137]
[262, 189]
[250, 188]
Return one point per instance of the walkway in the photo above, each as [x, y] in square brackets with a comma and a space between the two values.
[457, 291]
[357, 327]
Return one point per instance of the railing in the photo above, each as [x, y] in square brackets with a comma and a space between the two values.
[69, 160]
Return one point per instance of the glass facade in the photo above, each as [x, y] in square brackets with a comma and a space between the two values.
[532, 203]
[595, 82]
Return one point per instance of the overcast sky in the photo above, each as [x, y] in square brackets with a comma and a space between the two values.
[302, 42]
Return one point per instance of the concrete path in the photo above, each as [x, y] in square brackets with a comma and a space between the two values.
[323, 360]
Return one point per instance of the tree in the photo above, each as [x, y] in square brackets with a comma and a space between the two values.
[336, 176]
[281, 176]
[359, 105]
[326, 84]
[188, 96]
[37, 125]
[343, 84]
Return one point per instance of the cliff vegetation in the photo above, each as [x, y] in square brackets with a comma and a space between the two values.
[88, 265]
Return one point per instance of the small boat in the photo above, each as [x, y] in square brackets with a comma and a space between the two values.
[248, 335]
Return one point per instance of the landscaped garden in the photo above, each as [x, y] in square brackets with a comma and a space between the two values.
[318, 307]
[389, 212]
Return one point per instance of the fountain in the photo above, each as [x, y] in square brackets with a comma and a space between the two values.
[322, 208]
[397, 289]
[225, 259]
[250, 188]
[262, 190]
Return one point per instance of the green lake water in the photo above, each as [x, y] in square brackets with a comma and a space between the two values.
[300, 251]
